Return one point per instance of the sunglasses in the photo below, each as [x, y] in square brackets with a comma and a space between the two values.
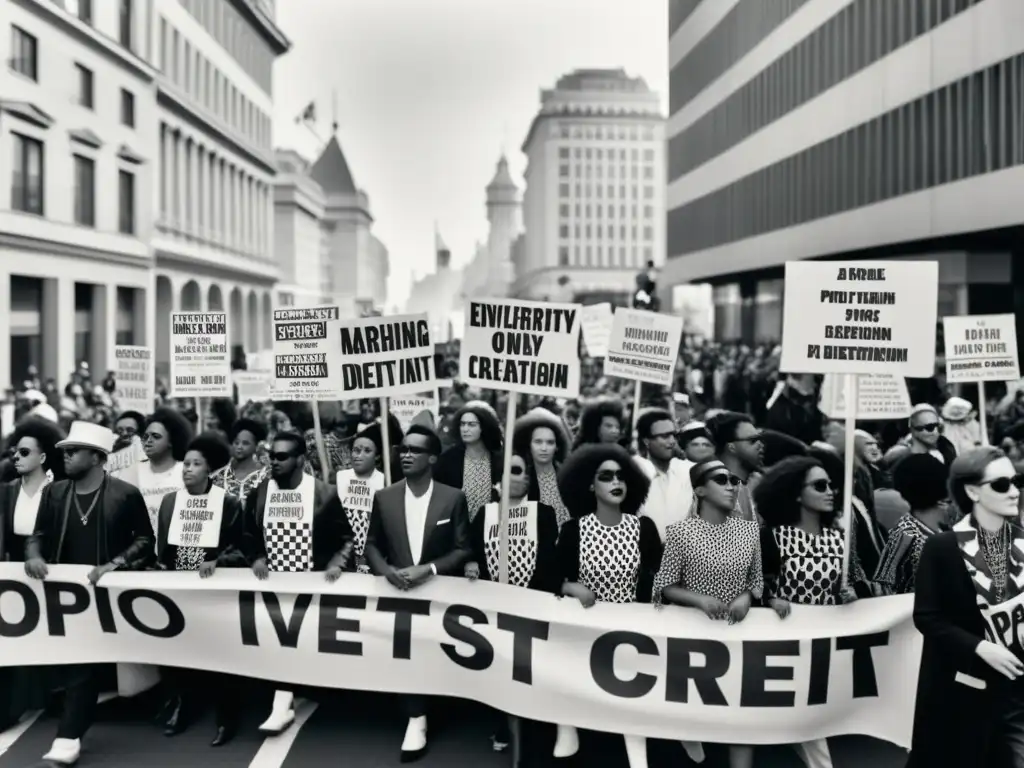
[23, 452]
[608, 475]
[927, 427]
[723, 480]
[820, 486]
[281, 456]
[415, 450]
[516, 471]
[151, 436]
[1002, 484]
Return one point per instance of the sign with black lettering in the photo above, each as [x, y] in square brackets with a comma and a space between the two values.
[200, 356]
[644, 346]
[879, 396]
[197, 519]
[302, 369]
[383, 356]
[530, 347]
[136, 384]
[860, 317]
[671, 674]
[981, 348]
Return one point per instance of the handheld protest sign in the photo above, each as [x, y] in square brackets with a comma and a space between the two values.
[981, 348]
[849, 449]
[133, 372]
[200, 356]
[385, 439]
[303, 367]
[318, 437]
[382, 356]
[880, 396]
[596, 327]
[643, 346]
[506, 488]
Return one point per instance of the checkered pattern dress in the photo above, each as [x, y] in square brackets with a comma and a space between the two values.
[289, 543]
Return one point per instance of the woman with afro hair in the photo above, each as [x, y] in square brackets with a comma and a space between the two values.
[38, 462]
[473, 464]
[606, 551]
[244, 471]
[542, 436]
[602, 422]
[165, 439]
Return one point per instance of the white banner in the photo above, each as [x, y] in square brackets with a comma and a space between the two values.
[981, 348]
[253, 386]
[644, 346]
[879, 396]
[136, 383]
[668, 674]
[860, 317]
[302, 366]
[530, 347]
[596, 326]
[383, 356]
[200, 357]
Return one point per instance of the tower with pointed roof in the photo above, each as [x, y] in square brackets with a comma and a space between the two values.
[491, 272]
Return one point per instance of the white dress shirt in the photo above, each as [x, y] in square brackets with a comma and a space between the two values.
[671, 493]
[416, 519]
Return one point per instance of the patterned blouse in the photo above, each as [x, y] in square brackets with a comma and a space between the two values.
[616, 563]
[226, 478]
[189, 558]
[715, 560]
[338, 450]
[897, 568]
[547, 482]
[476, 482]
[806, 568]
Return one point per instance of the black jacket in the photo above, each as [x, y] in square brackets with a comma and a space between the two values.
[450, 464]
[228, 552]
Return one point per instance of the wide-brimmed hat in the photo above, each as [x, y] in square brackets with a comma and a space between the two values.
[85, 434]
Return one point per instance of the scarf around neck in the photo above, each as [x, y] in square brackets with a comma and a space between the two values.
[968, 540]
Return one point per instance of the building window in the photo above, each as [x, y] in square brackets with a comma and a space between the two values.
[27, 175]
[648, 211]
[127, 108]
[563, 255]
[126, 202]
[85, 86]
[24, 53]
[563, 153]
[82, 9]
[563, 171]
[124, 29]
[649, 155]
[648, 233]
[563, 190]
[563, 230]
[85, 191]
[563, 210]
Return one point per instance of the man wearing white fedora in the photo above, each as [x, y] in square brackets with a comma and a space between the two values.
[89, 519]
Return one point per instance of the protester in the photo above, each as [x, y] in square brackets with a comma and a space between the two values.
[109, 530]
[795, 411]
[926, 434]
[970, 700]
[960, 425]
[671, 494]
[740, 446]
[189, 688]
[602, 422]
[695, 442]
[543, 437]
[474, 463]
[419, 529]
[246, 469]
[165, 439]
[606, 551]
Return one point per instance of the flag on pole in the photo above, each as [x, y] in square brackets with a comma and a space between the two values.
[308, 115]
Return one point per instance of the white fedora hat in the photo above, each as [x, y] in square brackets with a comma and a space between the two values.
[85, 434]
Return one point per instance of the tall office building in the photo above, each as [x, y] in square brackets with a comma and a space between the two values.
[593, 209]
[845, 129]
[215, 200]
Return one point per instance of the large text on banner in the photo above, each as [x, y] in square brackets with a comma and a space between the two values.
[644, 346]
[383, 356]
[670, 674]
[860, 317]
[133, 372]
[302, 368]
[981, 348]
[200, 358]
[530, 347]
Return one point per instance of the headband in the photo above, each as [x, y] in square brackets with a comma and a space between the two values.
[700, 471]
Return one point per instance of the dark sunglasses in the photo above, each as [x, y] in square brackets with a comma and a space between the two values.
[927, 427]
[282, 456]
[415, 450]
[724, 480]
[607, 475]
[516, 471]
[23, 452]
[1002, 484]
[150, 436]
[820, 486]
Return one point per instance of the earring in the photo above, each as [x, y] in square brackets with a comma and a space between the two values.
[591, 489]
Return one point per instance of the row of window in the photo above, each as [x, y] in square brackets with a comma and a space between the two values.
[125, 19]
[605, 131]
[235, 36]
[25, 61]
[971, 127]
[679, 11]
[862, 33]
[28, 192]
[586, 171]
[589, 232]
[745, 25]
[202, 81]
[586, 190]
[609, 154]
[588, 211]
[603, 256]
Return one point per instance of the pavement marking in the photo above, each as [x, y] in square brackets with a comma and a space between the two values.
[274, 750]
[15, 732]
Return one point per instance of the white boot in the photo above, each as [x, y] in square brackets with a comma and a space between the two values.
[636, 751]
[815, 754]
[694, 750]
[567, 742]
[64, 751]
[414, 745]
[282, 713]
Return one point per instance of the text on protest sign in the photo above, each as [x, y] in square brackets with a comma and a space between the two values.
[253, 386]
[302, 367]
[879, 396]
[200, 359]
[133, 372]
[644, 346]
[407, 407]
[860, 317]
[672, 674]
[530, 347]
[596, 326]
[197, 519]
[384, 356]
[981, 348]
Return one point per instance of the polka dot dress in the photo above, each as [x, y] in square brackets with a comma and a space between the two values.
[610, 558]
[811, 566]
[715, 560]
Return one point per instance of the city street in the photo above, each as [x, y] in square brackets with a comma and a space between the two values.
[360, 730]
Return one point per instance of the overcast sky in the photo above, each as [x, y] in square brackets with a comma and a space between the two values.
[429, 92]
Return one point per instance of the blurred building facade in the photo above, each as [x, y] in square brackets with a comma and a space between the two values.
[811, 129]
[491, 271]
[439, 294]
[593, 208]
[301, 246]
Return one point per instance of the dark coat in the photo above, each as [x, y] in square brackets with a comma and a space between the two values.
[449, 466]
[125, 530]
[547, 576]
[228, 552]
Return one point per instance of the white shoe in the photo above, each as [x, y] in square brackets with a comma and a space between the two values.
[282, 713]
[567, 742]
[694, 750]
[636, 750]
[414, 745]
[64, 751]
